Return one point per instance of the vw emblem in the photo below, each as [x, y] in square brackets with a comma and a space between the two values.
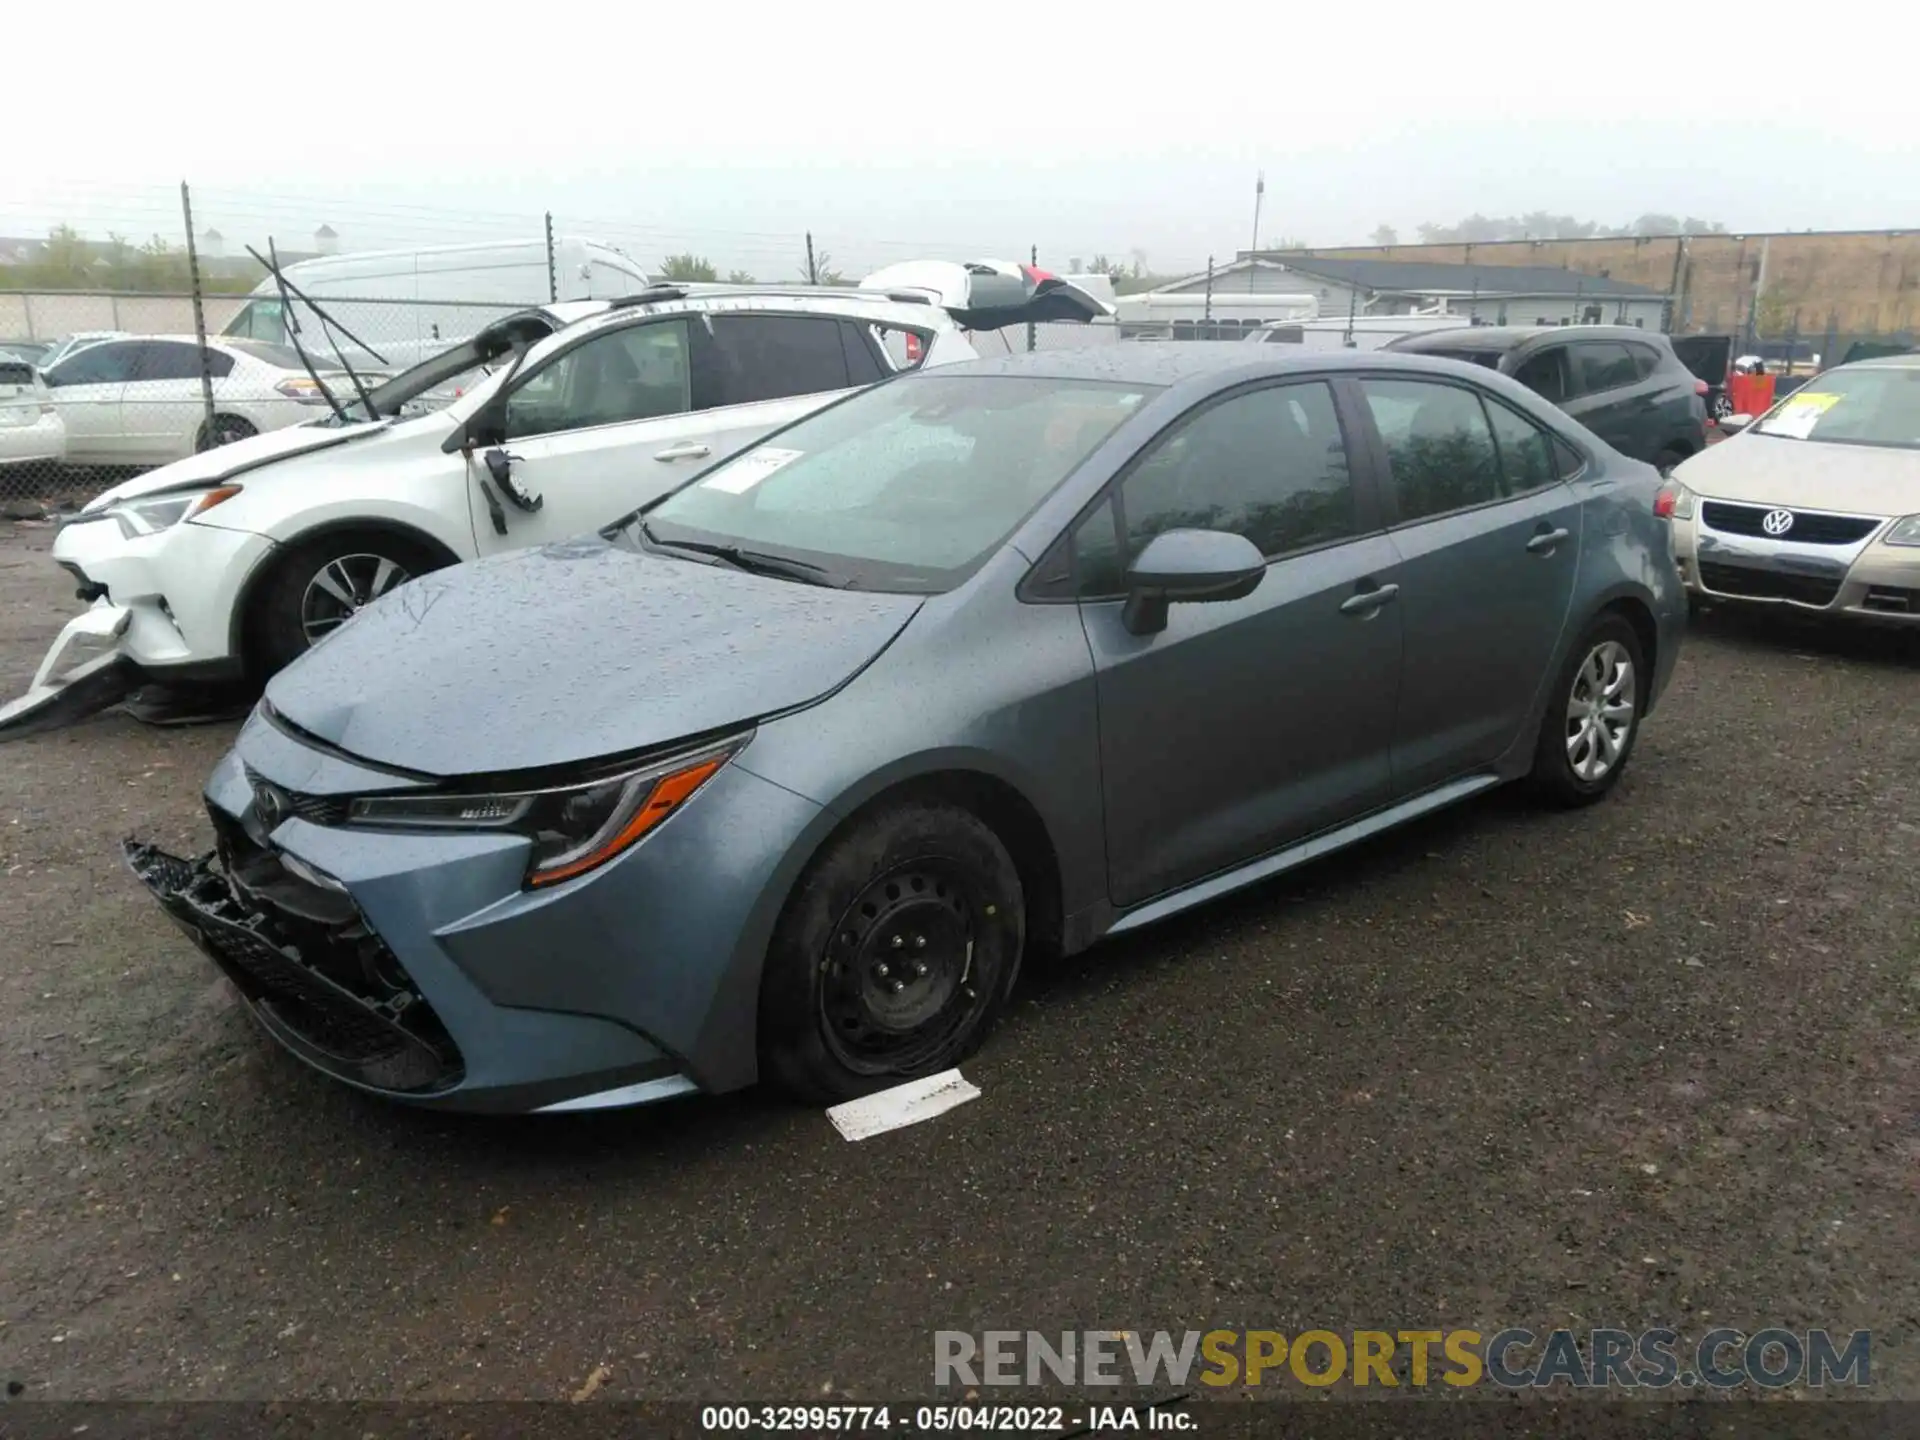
[1777, 522]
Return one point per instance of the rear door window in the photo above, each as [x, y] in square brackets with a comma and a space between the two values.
[105, 363]
[752, 358]
[170, 360]
[1545, 374]
[1527, 461]
[1646, 360]
[1440, 449]
[1599, 366]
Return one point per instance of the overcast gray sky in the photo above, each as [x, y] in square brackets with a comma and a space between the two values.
[955, 130]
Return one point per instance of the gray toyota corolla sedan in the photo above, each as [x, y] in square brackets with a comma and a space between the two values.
[788, 774]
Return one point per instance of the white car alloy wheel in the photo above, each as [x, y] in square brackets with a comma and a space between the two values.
[1600, 711]
[344, 586]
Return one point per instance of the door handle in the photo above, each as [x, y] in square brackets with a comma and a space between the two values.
[1367, 602]
[1547, 541]
[685, 450]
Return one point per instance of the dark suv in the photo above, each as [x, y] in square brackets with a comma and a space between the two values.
[1625, 385]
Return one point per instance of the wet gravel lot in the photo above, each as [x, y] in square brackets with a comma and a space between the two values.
[1655, 1063]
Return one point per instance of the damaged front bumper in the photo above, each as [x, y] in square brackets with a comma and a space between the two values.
[338, 940]
[321, 983]
[83, 673]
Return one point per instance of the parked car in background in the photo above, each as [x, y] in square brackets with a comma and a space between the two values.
[1815, 505]
[546, 425]
[31, 431]
[139, 400]
[1710, 358]
[786, 775]
[1624, 384]
[31, 351]
[79, 340]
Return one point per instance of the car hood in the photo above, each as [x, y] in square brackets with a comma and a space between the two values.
[210, 467]
[1806, 474]
[575, 652]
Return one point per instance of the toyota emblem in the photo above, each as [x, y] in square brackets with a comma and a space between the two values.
[270, 803]
[1777, 522]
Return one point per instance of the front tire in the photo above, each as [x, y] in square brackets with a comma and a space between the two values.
[320, 585]
[223, 430]
[894, 955]
[1593, 716]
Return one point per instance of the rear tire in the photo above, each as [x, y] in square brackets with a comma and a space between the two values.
[1665, 461]
[1593, 716]
[320, 584]
[223, 430]
[894, 955]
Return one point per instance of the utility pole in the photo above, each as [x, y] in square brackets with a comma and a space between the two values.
[1259, 193]
[199, 314]
[1033, 335]
[1208, 316]
[553, 269]
[813, 274]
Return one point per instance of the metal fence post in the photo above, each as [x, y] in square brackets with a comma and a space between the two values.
[1033, 334]
[813, 273]
[553, 268]
[199, 313]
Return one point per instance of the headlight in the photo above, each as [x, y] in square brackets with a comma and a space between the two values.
[1905, 531]
[304, 389]
[573, 828]
[150, 514]
[1674, 501]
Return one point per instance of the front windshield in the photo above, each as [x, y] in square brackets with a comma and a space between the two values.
[908, 486]
[438, 381]
[1872, 405]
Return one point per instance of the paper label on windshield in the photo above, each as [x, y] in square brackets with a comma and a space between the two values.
[1799, 415]
[739, 476]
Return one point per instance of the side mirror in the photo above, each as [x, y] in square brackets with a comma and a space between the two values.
[1189, 566]
[1733, 424]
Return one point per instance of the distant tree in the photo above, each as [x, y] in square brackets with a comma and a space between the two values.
[1118, 269]
[739, 277]
[1479, 229]
[823, 271]
[688, 266]
[1385, 235]
[1285, 242]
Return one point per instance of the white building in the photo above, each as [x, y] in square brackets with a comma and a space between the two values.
[1279, 282]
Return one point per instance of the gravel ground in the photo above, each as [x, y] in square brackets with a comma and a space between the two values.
[1654, 1063]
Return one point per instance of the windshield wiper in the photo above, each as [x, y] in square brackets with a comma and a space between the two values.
[754, 562]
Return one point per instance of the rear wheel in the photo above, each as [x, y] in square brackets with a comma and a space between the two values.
[1667, 459]
[894, 955]
[320, 585]
[223, 430]
[1593, 716]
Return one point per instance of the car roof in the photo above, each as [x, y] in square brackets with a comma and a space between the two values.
[1909, 361]
[1510, 337]
[1171, 364]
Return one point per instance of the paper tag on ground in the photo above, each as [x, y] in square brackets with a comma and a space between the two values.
[906, 1104]
[739, 476]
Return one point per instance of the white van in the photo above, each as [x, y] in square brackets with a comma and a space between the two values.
[401, 306]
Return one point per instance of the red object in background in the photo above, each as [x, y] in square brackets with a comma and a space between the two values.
[1750, 394]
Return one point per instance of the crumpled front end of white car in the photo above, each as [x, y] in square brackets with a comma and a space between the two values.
[161, 581]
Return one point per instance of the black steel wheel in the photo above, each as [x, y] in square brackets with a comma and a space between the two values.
[894, 954]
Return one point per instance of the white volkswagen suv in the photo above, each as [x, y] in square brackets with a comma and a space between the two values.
[548, 424]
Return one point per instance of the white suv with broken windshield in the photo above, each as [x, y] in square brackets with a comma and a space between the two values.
[548, 424]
